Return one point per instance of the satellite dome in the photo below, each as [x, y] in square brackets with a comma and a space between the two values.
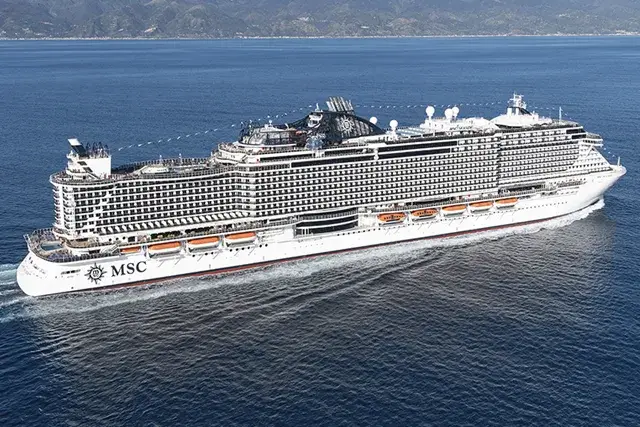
[393, 124]
[455, 111]
[430, 111]
[374, 120]
[448, 113]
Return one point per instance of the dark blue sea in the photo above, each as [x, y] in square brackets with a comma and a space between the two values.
[533, 326]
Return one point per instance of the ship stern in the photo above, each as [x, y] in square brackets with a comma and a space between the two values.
[30, 277]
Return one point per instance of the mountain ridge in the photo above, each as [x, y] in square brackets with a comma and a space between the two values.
[304, 18]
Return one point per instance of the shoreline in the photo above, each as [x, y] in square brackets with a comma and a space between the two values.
[444, 36]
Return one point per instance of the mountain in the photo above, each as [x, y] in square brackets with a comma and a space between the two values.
[305, 18]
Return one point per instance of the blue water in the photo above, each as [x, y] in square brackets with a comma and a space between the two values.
[533, 326]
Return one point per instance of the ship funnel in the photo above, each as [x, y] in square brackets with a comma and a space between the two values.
[93, 160]
[77, 147]
[340, 105]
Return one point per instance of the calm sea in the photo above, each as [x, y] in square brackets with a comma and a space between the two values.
[534, 326]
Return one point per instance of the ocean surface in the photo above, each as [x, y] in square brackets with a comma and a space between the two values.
[538, 325]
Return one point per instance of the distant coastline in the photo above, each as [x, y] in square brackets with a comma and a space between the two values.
[443, 36]
[317, 19]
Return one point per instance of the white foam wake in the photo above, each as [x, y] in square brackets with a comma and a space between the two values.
[78, 303]
[8, 267]
[8, 274]
[16, 298]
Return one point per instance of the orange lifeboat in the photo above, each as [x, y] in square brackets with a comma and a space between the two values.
[203, 243]
[130, 250]
[238, 238]
[164, 248]
[507, 203]
[454, 210]
[424, 214]
[480, 206]
[391, 218]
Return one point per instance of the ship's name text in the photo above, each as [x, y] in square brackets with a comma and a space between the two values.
[129, 268]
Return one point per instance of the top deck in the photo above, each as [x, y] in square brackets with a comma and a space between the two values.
[330, 131]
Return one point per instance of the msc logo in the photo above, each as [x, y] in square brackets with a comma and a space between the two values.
[129, 268]
[95, 273]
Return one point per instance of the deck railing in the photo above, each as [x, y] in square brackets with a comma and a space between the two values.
[34, 240]
[122, 173]
[459, 200]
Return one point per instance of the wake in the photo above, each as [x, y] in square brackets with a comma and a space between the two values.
[15, 306]
[8, 274]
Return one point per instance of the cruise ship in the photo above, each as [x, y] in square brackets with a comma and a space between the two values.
[330, 182]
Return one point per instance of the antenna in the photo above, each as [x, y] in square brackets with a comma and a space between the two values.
[559, 113]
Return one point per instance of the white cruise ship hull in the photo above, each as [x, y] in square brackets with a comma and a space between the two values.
[38, 277]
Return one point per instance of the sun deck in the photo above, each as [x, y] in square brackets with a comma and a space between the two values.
[155, 169]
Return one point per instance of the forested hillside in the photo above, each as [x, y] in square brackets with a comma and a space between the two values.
[330, 18]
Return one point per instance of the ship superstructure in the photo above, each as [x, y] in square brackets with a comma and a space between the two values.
[329, 182]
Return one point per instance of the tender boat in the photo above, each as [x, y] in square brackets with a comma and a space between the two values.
[130, 250]
[480, 206]
[423, 214]
[203, 243]
[507, 203]
[164, 248]
[391, 218]
[238, 238]
[454, 210]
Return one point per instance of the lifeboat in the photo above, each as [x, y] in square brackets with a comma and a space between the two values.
[507, 203]
[480, 206]
[391, 218]
[164, 248]
[238, 238]
[203, 243]
[130, 250]
[423, 214]
[454, 210]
